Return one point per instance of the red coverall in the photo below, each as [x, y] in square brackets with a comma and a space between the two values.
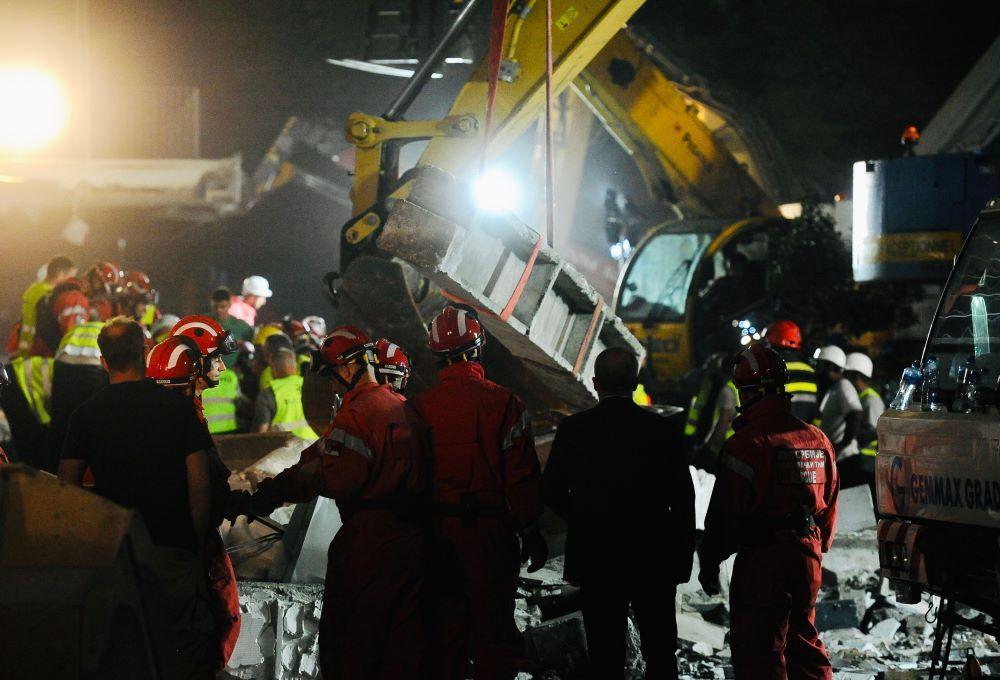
[487, 487]
[776, 471]
[374, 461]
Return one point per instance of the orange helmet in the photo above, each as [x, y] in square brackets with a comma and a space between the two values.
[784, 333]
[393, 365]
[455, 332]
[175, 362]
[759, 366]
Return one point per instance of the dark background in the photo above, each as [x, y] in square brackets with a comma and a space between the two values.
[836, 82]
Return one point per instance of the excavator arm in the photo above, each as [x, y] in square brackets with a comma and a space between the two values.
[664, 130]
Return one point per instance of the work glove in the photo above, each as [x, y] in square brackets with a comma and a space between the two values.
[237, 503]
[534, 550]
[708, 577]
[261, 504]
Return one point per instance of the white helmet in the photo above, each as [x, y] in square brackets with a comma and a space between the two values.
[315, 324]
[859, 362]
[257, 285]
[833, 354]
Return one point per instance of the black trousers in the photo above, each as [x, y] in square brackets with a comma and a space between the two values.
[605, 612]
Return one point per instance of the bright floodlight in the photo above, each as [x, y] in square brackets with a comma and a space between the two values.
[497, 191]
[33, 109]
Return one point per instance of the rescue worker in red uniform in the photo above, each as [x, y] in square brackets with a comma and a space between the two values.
[393, 366]
[486, 495]
[374, 462]
[191, 360]
[775, 505]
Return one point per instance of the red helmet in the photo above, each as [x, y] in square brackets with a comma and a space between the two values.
[301, 335]
[107, 276]
[759, 366]
[139, 287]
[210, 337]
[393, 364]
[784, 333]
[175, 362]
[344, 346]
[455, 331]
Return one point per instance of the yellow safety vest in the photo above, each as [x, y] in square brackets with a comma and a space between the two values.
[290, 415]
[149, 318]
[79, 345]
[640, 397]
[29, 301]
[736, 393]
[871, 448]
[305, 361]
[265, 379]
[34, 377]
[801, 378]
[219, 404]
[694, 409]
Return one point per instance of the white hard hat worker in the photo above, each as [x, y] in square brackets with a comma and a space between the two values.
[257, 286]
[859, 362]
[832, 354]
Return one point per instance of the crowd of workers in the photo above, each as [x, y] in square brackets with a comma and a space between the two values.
[833, 390]
[441, 495]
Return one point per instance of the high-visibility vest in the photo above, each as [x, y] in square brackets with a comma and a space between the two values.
[696, 406]
[715, 418]
[266, 376]
[640, 397]
[289, 415]
[304, 361]
[149, 318]
[79, 345]
[870, 448]
[34, 377]
[219, 404]
[801, 378]
[29, 301]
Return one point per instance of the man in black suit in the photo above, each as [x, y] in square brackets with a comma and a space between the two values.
[618, 475]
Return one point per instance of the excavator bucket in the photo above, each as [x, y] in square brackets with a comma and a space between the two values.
[549, 321]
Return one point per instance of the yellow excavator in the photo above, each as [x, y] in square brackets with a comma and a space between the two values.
[416, 239]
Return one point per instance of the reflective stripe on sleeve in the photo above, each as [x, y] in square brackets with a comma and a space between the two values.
[518, 429]
[349, 441]
[739, 467]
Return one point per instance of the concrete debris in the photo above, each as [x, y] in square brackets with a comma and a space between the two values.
[278, 638]
[693, 628]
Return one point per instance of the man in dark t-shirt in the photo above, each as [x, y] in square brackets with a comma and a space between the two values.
[146, 449]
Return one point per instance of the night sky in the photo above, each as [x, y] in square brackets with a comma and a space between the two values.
[836, 82]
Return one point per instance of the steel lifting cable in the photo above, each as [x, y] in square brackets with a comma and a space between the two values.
[549, 181]
[498, 30]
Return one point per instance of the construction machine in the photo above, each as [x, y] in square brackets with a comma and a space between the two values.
[416, 239]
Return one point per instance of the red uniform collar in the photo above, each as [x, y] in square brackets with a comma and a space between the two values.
[360, 389]
[463, 369]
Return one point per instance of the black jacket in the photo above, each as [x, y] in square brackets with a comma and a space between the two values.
[618, 476]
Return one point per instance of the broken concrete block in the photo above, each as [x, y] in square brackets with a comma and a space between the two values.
[885, 630]
[559, 645]
[695, 629]
[292, 620]
[855, 509]
[704, 482]
[836, 614]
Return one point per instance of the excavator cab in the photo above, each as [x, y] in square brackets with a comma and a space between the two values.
[693, 288]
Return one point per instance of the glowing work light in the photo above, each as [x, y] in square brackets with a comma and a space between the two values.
[33, 109]
[497, 190]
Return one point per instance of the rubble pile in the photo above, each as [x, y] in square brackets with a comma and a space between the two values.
[278, 638]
